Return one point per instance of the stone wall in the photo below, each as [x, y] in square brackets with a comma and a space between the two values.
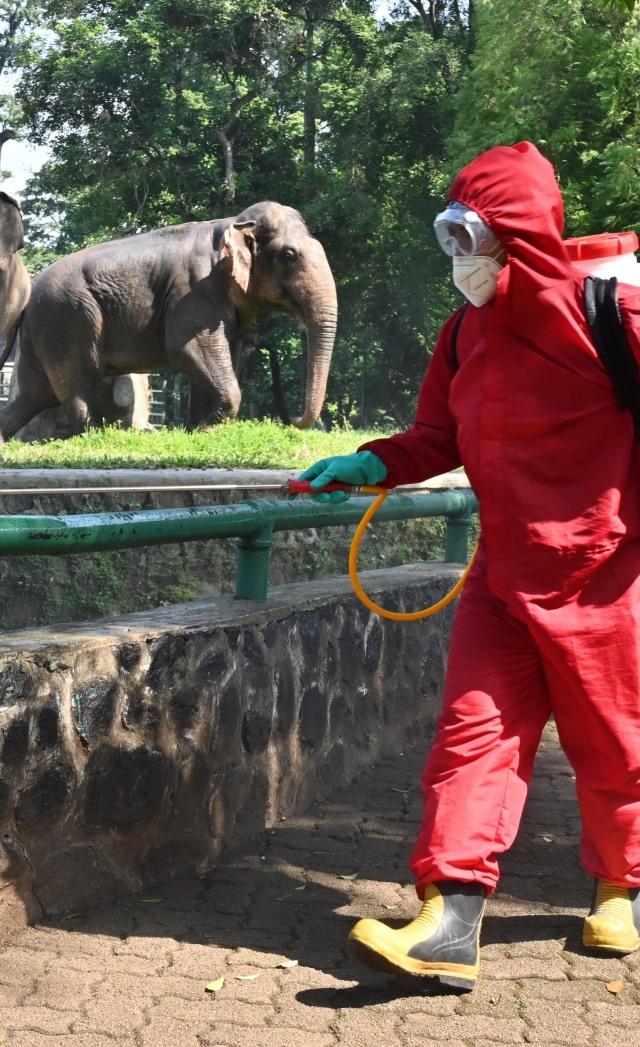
[137, 750]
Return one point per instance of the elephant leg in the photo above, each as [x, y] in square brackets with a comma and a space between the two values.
[19, 411]
[204, 408]
[206, 360]
[77, 411]
[82, 399]
[34, 394]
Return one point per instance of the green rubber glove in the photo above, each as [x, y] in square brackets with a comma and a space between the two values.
[363, 468]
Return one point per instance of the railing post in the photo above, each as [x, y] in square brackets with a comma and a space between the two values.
[456, 539]
[252, 564]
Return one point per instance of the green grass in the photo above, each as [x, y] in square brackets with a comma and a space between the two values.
[233, 445]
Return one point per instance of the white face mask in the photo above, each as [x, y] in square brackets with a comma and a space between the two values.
[476, 277]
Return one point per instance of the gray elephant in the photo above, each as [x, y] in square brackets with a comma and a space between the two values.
[179, 298]
[15, 282]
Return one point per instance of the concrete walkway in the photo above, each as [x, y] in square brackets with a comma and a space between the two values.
[272, 921]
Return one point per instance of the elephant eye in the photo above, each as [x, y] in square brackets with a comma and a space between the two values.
[288, 255]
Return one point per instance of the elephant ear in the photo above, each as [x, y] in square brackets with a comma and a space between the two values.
[11, 229]
[236, 252]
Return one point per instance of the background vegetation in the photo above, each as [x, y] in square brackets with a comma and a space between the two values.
[356, 112]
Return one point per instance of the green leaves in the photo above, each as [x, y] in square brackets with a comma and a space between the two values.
[565, 76]
[621, 5]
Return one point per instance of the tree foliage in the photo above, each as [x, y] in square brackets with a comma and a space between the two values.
[566, 76]
[17, 17]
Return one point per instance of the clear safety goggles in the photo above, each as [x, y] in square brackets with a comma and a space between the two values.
[460, 231]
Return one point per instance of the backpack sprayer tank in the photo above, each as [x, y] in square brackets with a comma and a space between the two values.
[605, 255]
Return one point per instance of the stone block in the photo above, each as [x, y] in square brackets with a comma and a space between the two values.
[16, 743]
[42, 806]
[94, 710]
[256, 731]
[15, 684]
[47, 729]
[313, 717]
[125, 785]
[166, 651]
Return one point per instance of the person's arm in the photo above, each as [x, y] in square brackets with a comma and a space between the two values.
[429, 447]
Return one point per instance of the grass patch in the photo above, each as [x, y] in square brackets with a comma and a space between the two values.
[231, 445]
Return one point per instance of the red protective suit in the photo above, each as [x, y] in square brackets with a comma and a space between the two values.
[549, 619]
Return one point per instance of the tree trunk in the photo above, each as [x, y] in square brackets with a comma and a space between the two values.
[276, 388]
[429, 17]
[227, 137]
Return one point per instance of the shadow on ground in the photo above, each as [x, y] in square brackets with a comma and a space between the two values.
[296, 890]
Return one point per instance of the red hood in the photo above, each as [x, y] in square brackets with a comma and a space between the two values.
[514, 189]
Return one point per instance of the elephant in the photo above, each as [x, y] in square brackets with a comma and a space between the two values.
[15, 282]
[182, 298]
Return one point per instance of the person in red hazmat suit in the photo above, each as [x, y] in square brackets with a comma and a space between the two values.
[549, 619]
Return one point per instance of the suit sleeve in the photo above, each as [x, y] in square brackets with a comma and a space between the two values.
[429, 447]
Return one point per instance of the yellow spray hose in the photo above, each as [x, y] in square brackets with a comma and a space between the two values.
[396, 616]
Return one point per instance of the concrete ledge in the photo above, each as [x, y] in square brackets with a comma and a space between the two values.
[138, 749]
[33, 478]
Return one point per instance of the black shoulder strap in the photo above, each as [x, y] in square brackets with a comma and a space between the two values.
[612, 345]
[453, 341]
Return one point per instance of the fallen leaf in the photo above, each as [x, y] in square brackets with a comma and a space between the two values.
[73, 916]
[287, 963]
[347, 876]
[302, 888]
[214, 986]
[615, 987]
[247, 977]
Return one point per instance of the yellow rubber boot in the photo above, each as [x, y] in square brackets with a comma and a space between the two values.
[442, 942]
[614, 919]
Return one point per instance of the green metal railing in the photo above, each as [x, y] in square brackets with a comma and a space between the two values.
[252, 523]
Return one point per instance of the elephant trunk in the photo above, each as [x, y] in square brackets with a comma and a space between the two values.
[321, 325]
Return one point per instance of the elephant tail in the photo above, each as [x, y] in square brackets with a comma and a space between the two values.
[10, 338]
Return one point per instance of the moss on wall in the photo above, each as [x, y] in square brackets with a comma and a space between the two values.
[47, 590]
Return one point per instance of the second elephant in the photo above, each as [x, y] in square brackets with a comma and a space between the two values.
[181, 298]
[15, 282]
